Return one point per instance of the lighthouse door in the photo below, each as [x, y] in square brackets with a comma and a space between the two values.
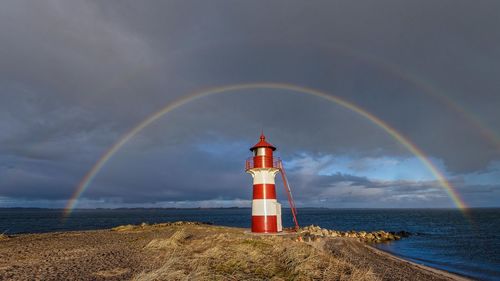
[278, 217]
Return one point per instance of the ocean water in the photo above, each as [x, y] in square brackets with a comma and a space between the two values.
[442, 238]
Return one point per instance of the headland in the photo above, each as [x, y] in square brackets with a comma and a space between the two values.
[196, 251]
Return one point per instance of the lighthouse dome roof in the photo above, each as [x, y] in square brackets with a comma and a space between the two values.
[262, 143]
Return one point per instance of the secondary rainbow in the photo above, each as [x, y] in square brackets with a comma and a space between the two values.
[87, 179]
[427, 88]
[423, 85]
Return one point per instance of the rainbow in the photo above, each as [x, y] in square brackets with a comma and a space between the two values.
[427, 88]
[91, 174]
[432, 91]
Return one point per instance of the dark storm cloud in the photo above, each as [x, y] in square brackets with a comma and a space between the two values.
[76, 76]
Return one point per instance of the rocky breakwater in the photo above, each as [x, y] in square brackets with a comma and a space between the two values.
[312, 233]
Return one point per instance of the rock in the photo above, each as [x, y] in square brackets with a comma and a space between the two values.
[314, 232]
[403, 233]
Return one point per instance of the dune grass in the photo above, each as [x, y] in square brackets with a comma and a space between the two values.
[189, 254]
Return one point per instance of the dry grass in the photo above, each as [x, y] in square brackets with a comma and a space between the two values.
[173, 241]
[127, 227]
[3, 236]
[144, 226]
[309, 263]
[189, 254]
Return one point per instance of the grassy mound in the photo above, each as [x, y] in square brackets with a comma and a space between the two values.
[192, 253]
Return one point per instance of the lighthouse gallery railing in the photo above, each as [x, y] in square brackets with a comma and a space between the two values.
[249, 163]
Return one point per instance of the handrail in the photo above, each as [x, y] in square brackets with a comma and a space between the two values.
[289, 194]
[249, 164]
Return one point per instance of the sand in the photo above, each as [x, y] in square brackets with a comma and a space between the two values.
[189, 251]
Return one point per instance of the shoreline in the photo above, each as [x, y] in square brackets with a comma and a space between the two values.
[187, 250]
[448, 274]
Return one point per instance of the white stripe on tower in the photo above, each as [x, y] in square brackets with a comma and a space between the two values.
[264, 176]
[264, 207]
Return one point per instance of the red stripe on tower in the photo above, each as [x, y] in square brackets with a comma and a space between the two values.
[264, 191]
[264, 224]
[266, 211]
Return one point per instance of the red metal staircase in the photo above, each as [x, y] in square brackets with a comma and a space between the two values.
[288, 193]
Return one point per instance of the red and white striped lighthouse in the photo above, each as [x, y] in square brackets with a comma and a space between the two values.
[266, 211]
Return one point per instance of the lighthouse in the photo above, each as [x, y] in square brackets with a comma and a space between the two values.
[266, 211]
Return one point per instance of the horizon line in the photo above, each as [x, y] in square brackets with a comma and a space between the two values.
[236, 207]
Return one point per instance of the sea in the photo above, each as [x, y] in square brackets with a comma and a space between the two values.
[467, 245]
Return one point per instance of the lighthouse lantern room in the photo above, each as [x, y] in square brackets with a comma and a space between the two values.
[266, 211]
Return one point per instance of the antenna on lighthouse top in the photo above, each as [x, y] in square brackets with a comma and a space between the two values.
[263, 143]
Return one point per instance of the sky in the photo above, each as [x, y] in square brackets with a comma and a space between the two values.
[75, 76]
